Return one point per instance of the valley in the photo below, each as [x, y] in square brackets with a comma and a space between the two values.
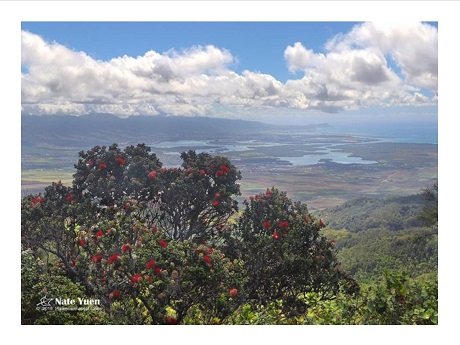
[314, 165]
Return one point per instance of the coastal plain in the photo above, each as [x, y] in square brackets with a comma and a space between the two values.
[313, 166]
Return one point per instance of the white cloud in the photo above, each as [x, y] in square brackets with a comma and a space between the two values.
[356, 70]
[413, 46]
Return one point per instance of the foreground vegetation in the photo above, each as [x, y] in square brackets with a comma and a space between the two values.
[150, 245]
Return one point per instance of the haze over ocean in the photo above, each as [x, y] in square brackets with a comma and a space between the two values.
[422, 132]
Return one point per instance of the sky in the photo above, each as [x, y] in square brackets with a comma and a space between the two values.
[268, 71]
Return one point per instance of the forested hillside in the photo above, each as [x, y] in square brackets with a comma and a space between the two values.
[376, 234]
[391, 213]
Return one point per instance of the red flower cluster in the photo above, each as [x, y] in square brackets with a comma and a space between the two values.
[321, 224]
[203, 172]
[207, 259]
[163, 243]
[233, 292]
[157, 270]
[152, 175]
[268, 193]
[225, 169]
[284, 224]
[96, 258]
[215, 203]
[276, 236]
[82, 242]
[125, 248]
[170, 320]
[90, 163]
[102, 166]
[113, 258]
[115, 294]
[266, 224]
[154, 229]
[150, 264]
[100, 233]
[35, 201]
[68, 198]
[136, 278]
[121, 161]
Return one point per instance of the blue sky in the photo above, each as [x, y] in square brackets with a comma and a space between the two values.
[275, 72]
[257, 46]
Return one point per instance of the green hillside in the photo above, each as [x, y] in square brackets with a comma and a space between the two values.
[374, 235]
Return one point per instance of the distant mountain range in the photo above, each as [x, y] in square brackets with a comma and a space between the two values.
[105, 129]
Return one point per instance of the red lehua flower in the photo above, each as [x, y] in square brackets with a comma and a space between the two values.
[99, 233]
[217, 195]
[90, 163]
[35, 201]
[284, 224]
[170, 320]
[150, 264]
[113, 258]
[115, 294]
[225, 168]
[121, 161]
[102, 166]
[152, 175]
[82, 242]
[321, 224]
[136, 278]
[210, 250]
[68, 198]
[251, 198]
[215, 202]
[154, 229]
[149, 278]
[219, 173]
[207, 259]
[233, 292]
[96, 258]
[203, 172]
[126, 247]
[276, 236]
[163, 243]
[266, 224]
[268, 193]
[157, 270]
[73, 263]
